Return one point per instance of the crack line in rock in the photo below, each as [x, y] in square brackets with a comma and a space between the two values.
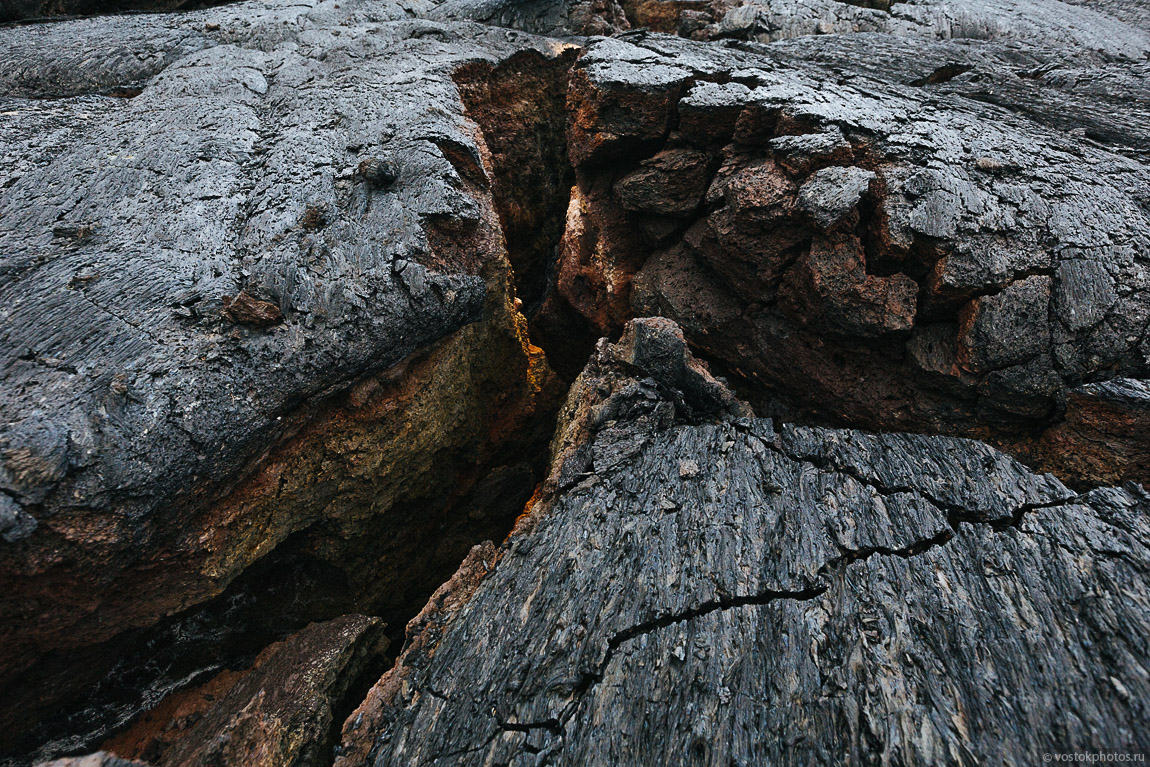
[955, 513]
[590, 679]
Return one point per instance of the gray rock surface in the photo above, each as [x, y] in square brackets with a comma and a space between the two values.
[262, 363]
[831, 194]
[209, 293]
[747, 593]
[1014, 242]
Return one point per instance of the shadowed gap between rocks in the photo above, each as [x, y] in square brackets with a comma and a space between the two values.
[521, 109]
[48, 11]
[387, 569]
[287, 590]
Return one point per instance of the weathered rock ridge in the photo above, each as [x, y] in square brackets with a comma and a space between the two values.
[261, 358]
[283, 284]
[860, 250]
[741, 593]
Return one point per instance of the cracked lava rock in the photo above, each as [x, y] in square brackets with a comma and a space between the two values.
[811, 596]
[720, 349]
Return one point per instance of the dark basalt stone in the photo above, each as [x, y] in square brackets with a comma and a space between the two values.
[743, 592]
[281, 288]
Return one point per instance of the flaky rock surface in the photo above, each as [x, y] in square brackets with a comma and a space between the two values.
[283, 286]
[745, 593]
[871, 229]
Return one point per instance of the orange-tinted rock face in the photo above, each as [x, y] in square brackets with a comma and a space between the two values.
[843, 271]
[829, 286]
[1103, 439]
[277, 713]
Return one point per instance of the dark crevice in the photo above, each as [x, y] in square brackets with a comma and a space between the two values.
[943, 74]
[849, 557]
[552, 725]
[955, 513]
[355, 693]
[878, 5]
[272, 599]
[520, 107]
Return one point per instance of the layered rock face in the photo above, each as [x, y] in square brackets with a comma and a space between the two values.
[278, 712]
[745, 593]
[262, 362]
[888, 253]
[283, 287]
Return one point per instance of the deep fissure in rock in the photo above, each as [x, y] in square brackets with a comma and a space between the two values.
[387, 569]
[520, 107]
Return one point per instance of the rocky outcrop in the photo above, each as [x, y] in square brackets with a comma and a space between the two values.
[262, 362]
[283, 285]
[741, 592]
[865, 250]
[1048, 25]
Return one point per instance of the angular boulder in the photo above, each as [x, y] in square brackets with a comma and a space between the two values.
[732, 591]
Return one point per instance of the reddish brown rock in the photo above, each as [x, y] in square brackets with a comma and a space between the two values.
[662, 15]
[246, 309]
[278, 713]
[829, 284]
[1104, 436]
[672, 183]
[622, 108]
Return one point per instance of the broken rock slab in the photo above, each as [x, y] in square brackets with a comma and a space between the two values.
[735, 591]
[260, 360]
[971, 268]
[278, 713]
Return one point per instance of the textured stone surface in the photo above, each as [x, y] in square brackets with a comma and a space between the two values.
[267, 281]
[256, 311]
[278, 713]
[741, 593]
[971, 265]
